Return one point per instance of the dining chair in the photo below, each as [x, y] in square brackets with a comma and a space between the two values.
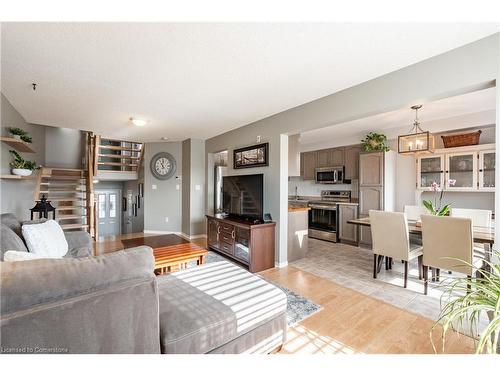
[480, 218]
[390, 239]
[448, 243]
[414, 213]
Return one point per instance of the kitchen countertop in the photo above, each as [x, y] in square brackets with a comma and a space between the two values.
[298, 209]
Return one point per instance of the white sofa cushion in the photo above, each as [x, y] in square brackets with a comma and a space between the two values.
[46, 239]
[14, 256]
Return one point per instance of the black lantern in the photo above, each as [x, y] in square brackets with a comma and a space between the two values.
[43, 207]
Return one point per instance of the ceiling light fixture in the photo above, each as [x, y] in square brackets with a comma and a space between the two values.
[164, 138]
[417, 141]
[138, 122]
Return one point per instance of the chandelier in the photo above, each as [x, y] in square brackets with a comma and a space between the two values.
[417, 141]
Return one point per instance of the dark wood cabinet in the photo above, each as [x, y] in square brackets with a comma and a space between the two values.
[309, 162]
[348, 233]
[336, 157]
[351, 162]
[249, 244]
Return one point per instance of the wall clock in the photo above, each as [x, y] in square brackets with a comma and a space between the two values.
[163, 165]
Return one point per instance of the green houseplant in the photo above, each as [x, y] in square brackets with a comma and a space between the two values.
[374, 142]
[464, 299]
[21, 167]
[20, 134]
[436, 207]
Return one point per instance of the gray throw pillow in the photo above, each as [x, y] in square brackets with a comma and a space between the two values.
[10, 241]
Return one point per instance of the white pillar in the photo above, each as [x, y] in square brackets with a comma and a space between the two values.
[282, 260]
[497, 155]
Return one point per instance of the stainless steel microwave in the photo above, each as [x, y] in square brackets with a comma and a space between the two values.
[330, 175]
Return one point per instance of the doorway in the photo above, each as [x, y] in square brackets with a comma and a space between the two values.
[108, 211]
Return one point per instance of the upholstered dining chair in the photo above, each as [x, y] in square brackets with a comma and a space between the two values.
[480, 218]
[448, 243]
[414, 212]
[390, 239]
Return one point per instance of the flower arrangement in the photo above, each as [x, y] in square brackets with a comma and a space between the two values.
[374, 142]
[436, 207]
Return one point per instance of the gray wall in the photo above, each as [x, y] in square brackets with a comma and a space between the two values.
[193, 187]
[64, 148]
[165, 200]
[458, 71]
[17, 196]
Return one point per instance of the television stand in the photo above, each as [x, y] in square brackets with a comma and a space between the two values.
[249, 244]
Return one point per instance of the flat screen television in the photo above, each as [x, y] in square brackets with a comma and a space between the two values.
[243, 196]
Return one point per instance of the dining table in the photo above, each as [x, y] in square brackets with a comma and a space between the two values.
[482, 235]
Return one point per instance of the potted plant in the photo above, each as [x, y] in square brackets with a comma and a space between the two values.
[374, 142]
[21, 167]
[436, 207]
[22, 134]
[466, 299]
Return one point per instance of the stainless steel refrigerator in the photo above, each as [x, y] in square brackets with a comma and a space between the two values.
[218, 174]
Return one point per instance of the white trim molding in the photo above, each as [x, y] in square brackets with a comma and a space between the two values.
[193, 237]
[147, 231]
[281, 264]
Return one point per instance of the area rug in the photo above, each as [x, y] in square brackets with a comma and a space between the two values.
[298, 307]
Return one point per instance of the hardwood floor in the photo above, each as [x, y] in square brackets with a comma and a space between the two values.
[350, 322]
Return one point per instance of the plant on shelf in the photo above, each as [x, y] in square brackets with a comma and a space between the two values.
[374, 142]
[436, 207]
[466, 299]
[21, 167]
[22, 134]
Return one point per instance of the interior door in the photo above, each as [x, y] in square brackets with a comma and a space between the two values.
[108, 212]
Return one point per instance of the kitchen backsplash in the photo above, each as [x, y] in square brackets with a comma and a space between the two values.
[310, 188]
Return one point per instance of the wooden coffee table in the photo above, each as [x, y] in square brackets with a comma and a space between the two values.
[171, 252]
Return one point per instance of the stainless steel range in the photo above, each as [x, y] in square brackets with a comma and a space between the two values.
[323, 215]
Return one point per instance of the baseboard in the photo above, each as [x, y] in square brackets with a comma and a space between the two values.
[193, 237]
[147, 231]
[280, 265]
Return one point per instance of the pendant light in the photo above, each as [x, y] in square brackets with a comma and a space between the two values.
[417, 141]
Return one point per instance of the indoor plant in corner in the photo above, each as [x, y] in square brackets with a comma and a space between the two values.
[21, 167]
[467, 298]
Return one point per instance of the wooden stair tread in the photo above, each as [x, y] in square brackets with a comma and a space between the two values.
[74, 226]
[120, 148]
[66, 199]
[117, 164]
[114, 156]
[69, 217]
[70, 208]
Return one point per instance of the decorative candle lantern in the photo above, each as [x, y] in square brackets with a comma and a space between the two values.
[43, 207]
[417, 141]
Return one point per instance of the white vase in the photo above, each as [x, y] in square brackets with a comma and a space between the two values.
[22, 172]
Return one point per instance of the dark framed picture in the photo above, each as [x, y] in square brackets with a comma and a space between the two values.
[251, 156]
[134, 209]
[138, 201]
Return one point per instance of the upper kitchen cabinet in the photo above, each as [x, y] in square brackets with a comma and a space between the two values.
[294, 165]
[351, 156]
[308, 164]
[324, 158]
[371, 169]
[487, 170]
[336, 157]
[430, 169]
[469, 168]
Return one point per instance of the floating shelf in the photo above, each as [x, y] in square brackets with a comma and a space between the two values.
[17, 144]
[15, 177]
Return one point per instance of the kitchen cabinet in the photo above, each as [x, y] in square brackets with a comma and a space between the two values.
[471, 168]
[336, 157]
[309, 160]
[486, 170]
[371, 169]
[348, 233]
[351, 162]
[430, 169]
[324, 158]
[377, 186]
[461, 168]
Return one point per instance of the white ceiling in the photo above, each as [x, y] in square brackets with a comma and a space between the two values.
[464, 111]
[200, 80]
